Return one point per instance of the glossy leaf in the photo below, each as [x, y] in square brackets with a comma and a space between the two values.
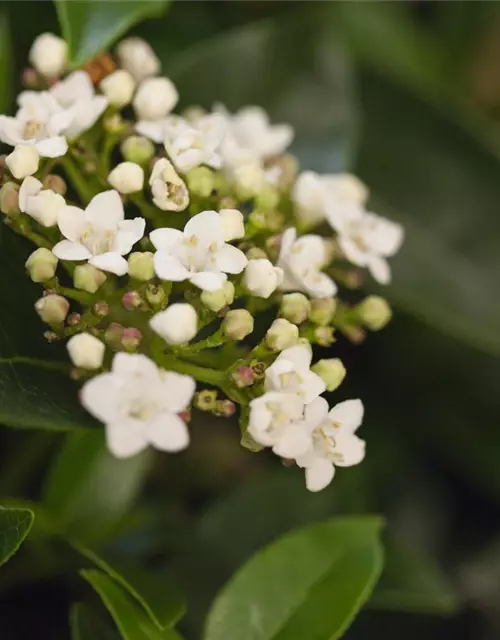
[132, 621]
[89, 26]
[310, 583]
[88, 490]
[87, 625]
[15, 525]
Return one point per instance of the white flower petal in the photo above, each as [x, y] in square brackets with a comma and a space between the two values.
[208, 280]
[153, 130]
[312, 386]
[100, 397]
[299, 355]
[165, 239]
[319, 475]
[169, 267]
[110, 261]
[134, 364]
[168, 432]
[179, 390]
[348, 415]
[319, 285]
[30, 187]
[105, 210]
[351, 448]
[129, 232]
[52, 147]
[380, 270]
[230, 259]
[205, 225]
[316, 412]
[352, 251]
[71, 221]
[67, 250]
[294, 442]
[126, 438]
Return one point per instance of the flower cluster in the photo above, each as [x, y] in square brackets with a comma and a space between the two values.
[176, 238]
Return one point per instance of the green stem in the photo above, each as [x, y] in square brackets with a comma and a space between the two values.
[77, 179]
[215, 340]
[203, 374]
[36, 362]
[74, 294]
[104, 161]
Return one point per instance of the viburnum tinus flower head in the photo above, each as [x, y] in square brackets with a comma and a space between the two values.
[198, 254]
[139, 405]
[99, 234]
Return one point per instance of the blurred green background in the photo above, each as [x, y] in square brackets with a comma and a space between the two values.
[406, 95]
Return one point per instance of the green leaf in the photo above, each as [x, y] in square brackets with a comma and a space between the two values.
[5, 62]
[89, 26]
[86, 625]
[292, 67]
[88, 490]
[132, 621]
[309, 584]
[411, 581]
[15, 525]
[160, 601]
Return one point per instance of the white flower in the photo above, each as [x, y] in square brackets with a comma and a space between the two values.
[168, 189]
[100, 234]
[177, 324]
[291, 373]
[262, 278]
[23, 161]
[86, 351]
[118, 87]
[155, 98]
[136, 56]
[48, 55]
[301, 260]
[366, 239]
[139, 404]
[76, 94]
[333, 440]
[233, 224]
[191, 144]
[44, 205]
[198, 254]
[38, 122]
[127, 177]
[276, 420]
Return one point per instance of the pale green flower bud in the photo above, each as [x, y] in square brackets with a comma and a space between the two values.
[268, 197]
[295, 307]
[41, 265]
[256, 253]
[9, 199]
[217, 300]
[140, 266]
[332, 371]
[322, 311]
[88, 278]
[374, 312]
[200, 181]
[324, 336]
[52, 309]
[137, 149]
[237, 324]
[281, 335]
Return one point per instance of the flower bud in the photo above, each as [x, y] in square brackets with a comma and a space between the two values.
[138, 58]
[55, 184]
[137, 149]
[259, 369]
[41, 265]
[217, 300]
[256, 253]
[324, 336]
[41, 204]
[374, 312]
[88, 278]
[233, 224]
[200, 181]
[248, 178]
[131, 300]
[113, 335]
[73, 319]
[281, 335]
[52, 309]
[268, 197]
[225, 408]
[322, 310]
[48, 55]
[140, 265]
[244, 376]
[177, 324]
[205, 400]
[101, 308]
[332, 371]
[237, 324]
[118, 87]
[168, 190]
[9, 198]
[131, 338]
[115, 124]
[155, 295]
[127, 177]
[295, 307]
[23, 161]
[30, 78]
[86, 351]
[261, 278]
[155, 98]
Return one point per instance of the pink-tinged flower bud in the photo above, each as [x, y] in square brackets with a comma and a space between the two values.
[30, 78]
[185, 415]
[131, 300]
[73, 319]
[205, 400]
[101, 308]
[131, 338]
[56, 184]
[52, 309]
[9, 199]
[113, 335]
[225, 408]
[244, 376]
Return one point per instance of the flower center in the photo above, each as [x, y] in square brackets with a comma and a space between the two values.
[97, 241]
[33, 129]
[324, 439]
[292, 382]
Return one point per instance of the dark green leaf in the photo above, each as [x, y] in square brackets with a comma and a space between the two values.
[5, 62]
[87, 625]
[309, 584]
[88, 490]
[291, 67]
[152, 591]
[89, 26]
[132, 621]
[14, 527]
[412, 582]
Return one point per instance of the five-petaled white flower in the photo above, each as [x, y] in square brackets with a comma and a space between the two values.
[333, 441]
[39, 121]
[366, 239]
[139, 403]
[198, 254]
[100, 234]
[291, 373]
[301, 260]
